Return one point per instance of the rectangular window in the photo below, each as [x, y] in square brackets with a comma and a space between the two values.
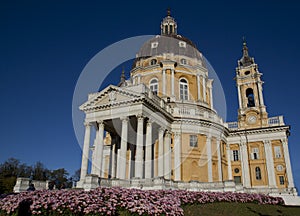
[237, 179]
[235, 155]
[255, 153]
[193, 141]
[277, 151]
[281, 180]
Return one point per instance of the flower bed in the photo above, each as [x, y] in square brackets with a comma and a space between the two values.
[110, 201]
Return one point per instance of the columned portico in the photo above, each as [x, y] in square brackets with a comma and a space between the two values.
[139, 147]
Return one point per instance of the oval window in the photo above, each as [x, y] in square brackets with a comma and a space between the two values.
[247, 73]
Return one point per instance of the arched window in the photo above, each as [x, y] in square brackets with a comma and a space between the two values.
[250, 96]
[183, 89]
[154, 85]
[153, 61]
[171, 29]
[257, 173]
[183, 61]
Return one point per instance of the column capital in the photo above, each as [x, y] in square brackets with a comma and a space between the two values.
[267, 142]
[284, 141]
[140, 117]
[177, 135]
[161, 129]
[87, 124]
[149, 122]
[243, 143]
[124, 118]
[100, 123]
[168, 134]
[208, 136]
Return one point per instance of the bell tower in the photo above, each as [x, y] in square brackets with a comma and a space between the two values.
[252, 110]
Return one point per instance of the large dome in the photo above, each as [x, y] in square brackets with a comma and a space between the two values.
[173, 44]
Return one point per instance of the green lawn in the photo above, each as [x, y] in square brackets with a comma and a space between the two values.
[240, 209]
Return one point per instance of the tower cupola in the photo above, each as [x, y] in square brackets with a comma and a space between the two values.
[246, 60]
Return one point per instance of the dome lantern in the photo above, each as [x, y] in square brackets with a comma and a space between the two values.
[168, 25]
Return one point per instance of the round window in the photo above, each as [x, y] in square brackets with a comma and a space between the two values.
[279, 167]
[247, 73]
[236, 170]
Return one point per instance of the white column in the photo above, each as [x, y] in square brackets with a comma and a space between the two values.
[219, 160]
[98, 156]
[139, 78]
[85, 151]
[198, 87]
[245, 165]
[211, 95]
[204, 88]
[148, 159]
[139, 147]
[164, 82]
[177, 157]
[121, 167]
[167, 156]
[261, 98]
[93, 168]
[209, 158]
[239, 95]
[172, 83]
[229, 169]
[160, 160]
[113, 161]
[287, 163]
[270, 163]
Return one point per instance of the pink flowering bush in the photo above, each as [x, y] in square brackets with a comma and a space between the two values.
[110, 201]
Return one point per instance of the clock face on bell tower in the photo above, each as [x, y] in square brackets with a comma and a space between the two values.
[252, 111]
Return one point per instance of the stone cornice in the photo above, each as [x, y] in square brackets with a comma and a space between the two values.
[259, 130]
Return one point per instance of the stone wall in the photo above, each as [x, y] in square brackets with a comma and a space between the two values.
[22, 184]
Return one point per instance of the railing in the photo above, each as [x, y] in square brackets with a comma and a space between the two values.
[232, 125]
[276, 121]
[272, 121]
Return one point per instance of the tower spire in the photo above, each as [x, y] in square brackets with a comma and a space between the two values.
[245, 48]
[122, 78]
[169, 12]
[246, 60]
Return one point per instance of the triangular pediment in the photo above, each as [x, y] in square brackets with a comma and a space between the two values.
[109, 96]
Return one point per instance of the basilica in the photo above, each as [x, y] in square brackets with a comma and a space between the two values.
[159, 129]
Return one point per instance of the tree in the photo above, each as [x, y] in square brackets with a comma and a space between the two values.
[60, 178]
[39, 172]
[76, 176]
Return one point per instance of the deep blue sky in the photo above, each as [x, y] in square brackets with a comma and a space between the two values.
[44, 46]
